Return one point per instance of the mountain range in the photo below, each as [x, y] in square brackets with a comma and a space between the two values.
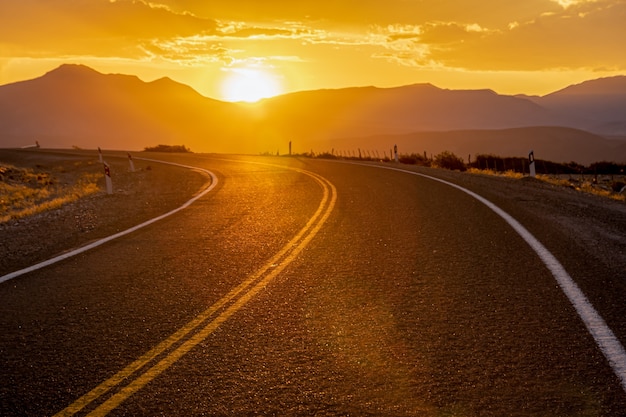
[74, 105]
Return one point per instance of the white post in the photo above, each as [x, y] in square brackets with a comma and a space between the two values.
[100, 155]
[107, 178]
[531, 164]
[395, 152]
[132, 164]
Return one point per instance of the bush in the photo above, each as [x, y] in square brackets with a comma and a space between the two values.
[326, 155]
[448, 160]
[414, 159]
[168, 148]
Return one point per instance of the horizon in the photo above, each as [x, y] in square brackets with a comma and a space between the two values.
[73, 106]
[243, 51]
[243, 101]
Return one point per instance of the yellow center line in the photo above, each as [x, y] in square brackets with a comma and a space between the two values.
[277, 264]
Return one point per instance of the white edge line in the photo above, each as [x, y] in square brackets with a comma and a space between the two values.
[604, 337]
[102, 241]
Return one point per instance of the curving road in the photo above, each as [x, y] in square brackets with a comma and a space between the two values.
[307, 287]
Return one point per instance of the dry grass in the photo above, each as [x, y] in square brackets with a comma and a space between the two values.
[582, 186]
[25, 191]
[507, 174]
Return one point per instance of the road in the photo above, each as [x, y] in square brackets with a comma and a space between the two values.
[308, 287]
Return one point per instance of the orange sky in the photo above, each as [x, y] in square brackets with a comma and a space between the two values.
[510, 46]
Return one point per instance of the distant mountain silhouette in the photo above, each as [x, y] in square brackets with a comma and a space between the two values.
[74, 105]
[597, 106]
[421, 107]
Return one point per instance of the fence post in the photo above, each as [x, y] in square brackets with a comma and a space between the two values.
[132, 164]
[107, 178]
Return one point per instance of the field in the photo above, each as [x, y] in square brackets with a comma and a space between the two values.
[26, 191]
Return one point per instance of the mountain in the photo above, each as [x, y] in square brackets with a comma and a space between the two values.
[77, 106]
[421, 107]
[598, 105]
[74, 105]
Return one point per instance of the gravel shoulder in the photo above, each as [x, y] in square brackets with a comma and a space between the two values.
[153, 189]
[596, 224]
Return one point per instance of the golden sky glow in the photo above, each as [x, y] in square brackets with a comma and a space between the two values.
[510, 46]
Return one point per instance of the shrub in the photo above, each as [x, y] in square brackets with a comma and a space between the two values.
[413, 159]
[167, 148]
[448, 160]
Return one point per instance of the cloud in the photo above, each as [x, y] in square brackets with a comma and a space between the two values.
[417, 46]
[238, 31]
[567, 3]
[96, 27]
[462, 34]
[583, 34]
[450, 32]
[189, 51]
[258, 32]
[232, 43]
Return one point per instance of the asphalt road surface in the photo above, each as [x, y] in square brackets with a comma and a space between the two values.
[307, 287]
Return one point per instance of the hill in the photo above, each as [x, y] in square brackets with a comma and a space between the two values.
[597, 105]
[421, 107]
[74, 105]
[77, 106]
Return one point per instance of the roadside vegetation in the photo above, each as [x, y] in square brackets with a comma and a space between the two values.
[26, 191]
[32, 189]
[168, 148]
[606, 179]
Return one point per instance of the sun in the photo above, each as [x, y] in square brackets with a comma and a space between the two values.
[244, 84]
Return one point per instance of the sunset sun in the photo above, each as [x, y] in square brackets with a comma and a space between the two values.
[249, 85]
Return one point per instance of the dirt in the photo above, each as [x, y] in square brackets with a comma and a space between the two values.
[137, 196]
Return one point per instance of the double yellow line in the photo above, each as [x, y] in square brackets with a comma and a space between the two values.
[135, 376]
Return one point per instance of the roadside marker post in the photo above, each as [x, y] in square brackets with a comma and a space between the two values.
[132, 164]
[395, 152]
[531, 164]
[107, 178]
[100, 155]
